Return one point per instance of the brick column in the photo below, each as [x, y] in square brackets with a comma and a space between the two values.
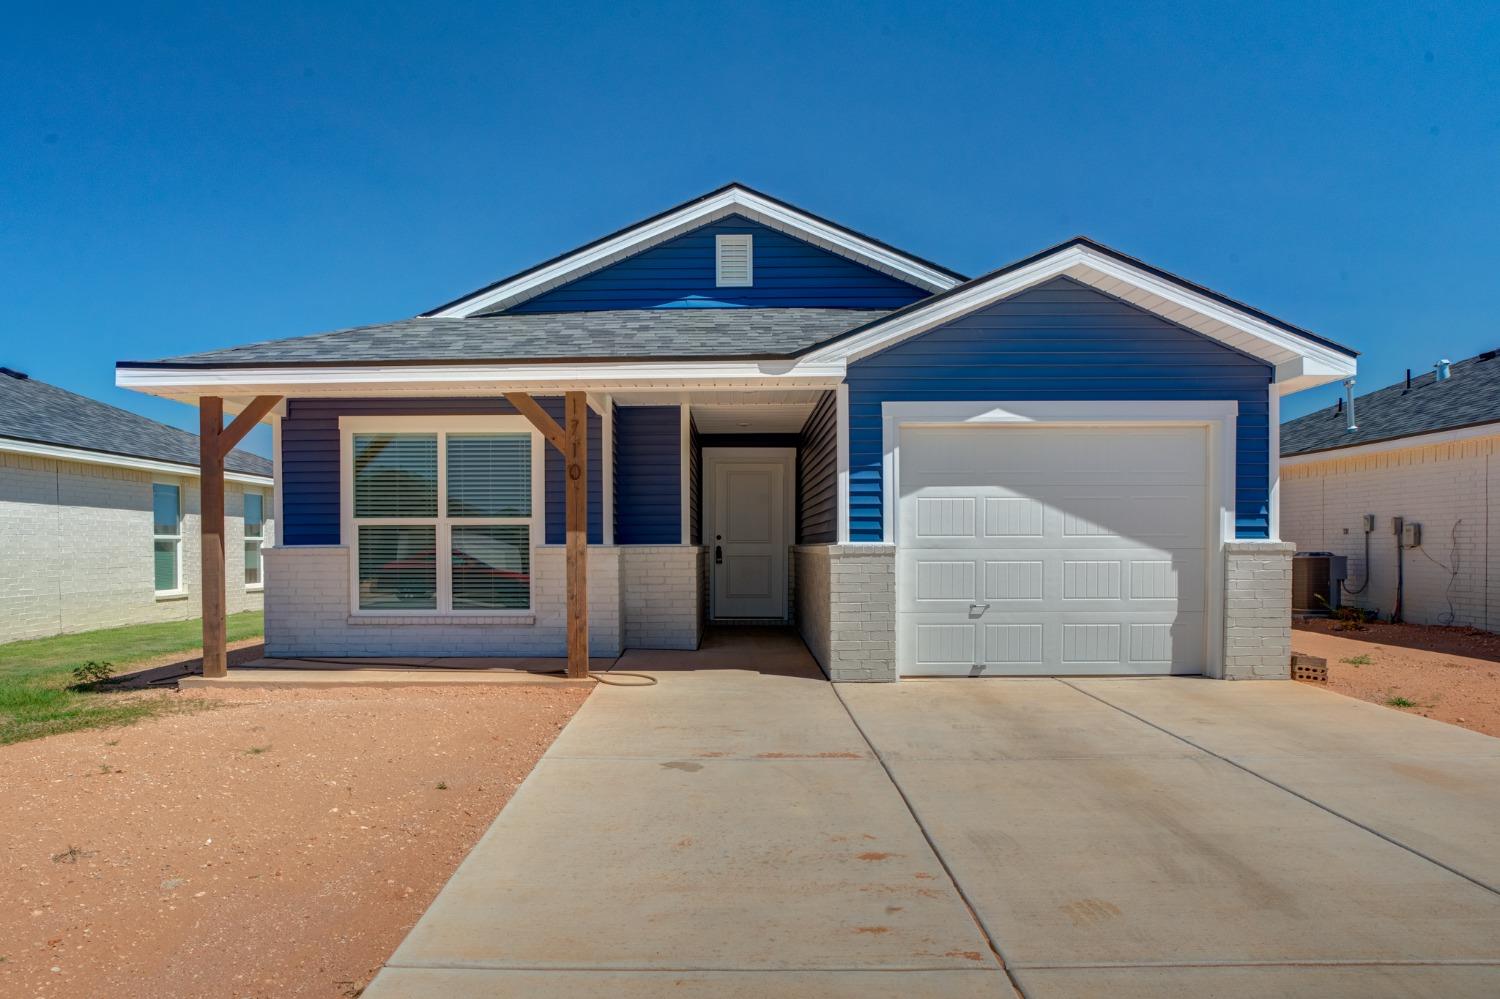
[1258, 610]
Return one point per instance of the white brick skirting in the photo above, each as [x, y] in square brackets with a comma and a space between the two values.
[846, 608]
[1257, 610]
[308, 613]
[662, 595]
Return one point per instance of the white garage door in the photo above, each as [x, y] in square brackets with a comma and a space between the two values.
[1045, 550]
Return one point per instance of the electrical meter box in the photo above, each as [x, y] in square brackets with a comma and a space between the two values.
[1411, 535]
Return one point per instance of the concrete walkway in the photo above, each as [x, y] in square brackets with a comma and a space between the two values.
[734, 832]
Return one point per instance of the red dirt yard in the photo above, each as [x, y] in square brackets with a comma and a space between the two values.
[279, 844]
[1451, 674]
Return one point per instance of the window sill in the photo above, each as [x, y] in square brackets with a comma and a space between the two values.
[522, 619]
[162, 595]
[257, 588]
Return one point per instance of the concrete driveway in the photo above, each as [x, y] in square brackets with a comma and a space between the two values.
[755, 832]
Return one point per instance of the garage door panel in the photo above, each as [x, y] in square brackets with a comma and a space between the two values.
[1014, 559]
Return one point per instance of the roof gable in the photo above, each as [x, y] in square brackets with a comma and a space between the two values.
[1301, 359]
[731, 200]
[789, 272]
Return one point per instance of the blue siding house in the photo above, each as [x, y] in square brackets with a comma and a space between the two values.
[1066, 465]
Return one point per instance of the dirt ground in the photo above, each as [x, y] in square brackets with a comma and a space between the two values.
[278, 843]
[1451, 674]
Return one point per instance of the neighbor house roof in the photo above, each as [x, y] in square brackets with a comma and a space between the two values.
[655, 334]
[36, 413]
[1470, 397]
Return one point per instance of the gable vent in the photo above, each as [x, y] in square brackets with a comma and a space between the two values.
[734, 265]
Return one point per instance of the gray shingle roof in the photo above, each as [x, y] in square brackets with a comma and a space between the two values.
[45, 414]
[1470, 396]
[552, 336]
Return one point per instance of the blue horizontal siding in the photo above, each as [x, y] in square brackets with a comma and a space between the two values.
[310, 462]
[679, 274]
[648, 475]
[1059, 341]
[817, 475]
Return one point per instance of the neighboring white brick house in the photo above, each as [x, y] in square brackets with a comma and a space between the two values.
[78, 539]
[1426, 450]
[1451, 489]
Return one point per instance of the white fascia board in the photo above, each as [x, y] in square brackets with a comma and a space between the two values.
[86, 457]
[1270, 342]
[478, 379]
[732, 201]
[1305, 372]
[1436, 437]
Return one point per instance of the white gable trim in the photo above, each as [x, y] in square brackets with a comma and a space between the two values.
[1300, 362]
[730, 201]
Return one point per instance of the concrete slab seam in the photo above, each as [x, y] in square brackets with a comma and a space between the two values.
[933, 846]
[1294, 793]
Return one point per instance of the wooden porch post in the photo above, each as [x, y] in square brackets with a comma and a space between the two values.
[577, 410]
[215, 441]
[211, 533]
[572, 442]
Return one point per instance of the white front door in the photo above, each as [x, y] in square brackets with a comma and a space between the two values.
[748, 545]
[1052, 550]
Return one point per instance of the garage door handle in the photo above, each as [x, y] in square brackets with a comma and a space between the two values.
[978, 608]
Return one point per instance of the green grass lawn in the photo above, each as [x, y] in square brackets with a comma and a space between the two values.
[39, 694]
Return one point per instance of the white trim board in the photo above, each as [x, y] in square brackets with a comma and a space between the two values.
[1300, 363]
[732, 200]
[86, 457]
[552, 378]
[1394, 444]
[1219, 420]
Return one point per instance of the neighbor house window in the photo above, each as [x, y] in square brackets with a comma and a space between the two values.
[255, 537]
[166, 530]
[442, 520]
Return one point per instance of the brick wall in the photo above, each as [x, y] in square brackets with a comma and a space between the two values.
[307, 612]
[662, 596]
[1452, 490]
[1257, 610]
[855, 637]
[78, 548]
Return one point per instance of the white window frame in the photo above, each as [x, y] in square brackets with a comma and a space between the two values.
[180, 590]
[245, 535]
[441, 426]
[732, 239]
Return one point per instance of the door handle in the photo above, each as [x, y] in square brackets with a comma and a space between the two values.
[978, 608]
[718, 555]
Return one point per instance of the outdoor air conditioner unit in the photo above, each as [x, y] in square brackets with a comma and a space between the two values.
[1317, 578]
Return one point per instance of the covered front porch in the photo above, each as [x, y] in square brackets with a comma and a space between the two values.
[523, 531]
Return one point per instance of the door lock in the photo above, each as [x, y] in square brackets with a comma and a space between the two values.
[718, 554]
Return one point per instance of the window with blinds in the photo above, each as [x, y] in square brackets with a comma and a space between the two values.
[734, 266]
[442, 521]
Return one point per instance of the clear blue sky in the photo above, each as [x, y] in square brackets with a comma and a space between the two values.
[179, 178]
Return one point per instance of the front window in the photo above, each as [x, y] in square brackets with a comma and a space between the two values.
[166, 531]
[442, 521]
[255, 538]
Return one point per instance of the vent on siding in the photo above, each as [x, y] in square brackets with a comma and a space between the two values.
[734, 261]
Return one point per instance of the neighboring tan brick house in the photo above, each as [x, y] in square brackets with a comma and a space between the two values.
[1064, 466]
[99, 516]
[1426, 450]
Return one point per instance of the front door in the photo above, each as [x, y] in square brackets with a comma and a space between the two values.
[748, 544]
